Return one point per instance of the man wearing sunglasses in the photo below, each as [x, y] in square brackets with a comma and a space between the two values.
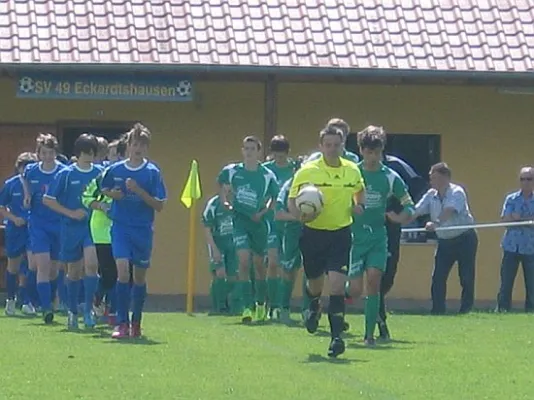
[518, 242]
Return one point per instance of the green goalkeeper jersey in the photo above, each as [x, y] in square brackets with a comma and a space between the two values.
[100, 223]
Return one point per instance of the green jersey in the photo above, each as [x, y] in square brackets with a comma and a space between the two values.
[379, 186]
[283, 174]
[347, 155]
[290, 227]
[100, 223]
[251, 189]
[219, 220]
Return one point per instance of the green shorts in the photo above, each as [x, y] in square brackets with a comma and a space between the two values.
[250, 235]
[290, 255]
[229, 261]
[369, 254]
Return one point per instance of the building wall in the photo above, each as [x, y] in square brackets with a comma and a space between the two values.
[485, 139]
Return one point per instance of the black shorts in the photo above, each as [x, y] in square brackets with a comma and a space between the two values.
[324, 251]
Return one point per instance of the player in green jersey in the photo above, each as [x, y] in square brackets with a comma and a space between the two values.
[283, 168]
[369, 249]
[254, 190]
[218, 225]
[340, 124]
[290, 255]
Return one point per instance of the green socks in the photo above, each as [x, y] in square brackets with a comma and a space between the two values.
[372, 305]
[243, 290]
[284, 294]
[261, 291]
[273, 286]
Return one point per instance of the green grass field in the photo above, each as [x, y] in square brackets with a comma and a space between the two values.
[478, 356]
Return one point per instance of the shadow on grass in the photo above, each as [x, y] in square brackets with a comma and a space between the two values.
[322, 333]
[39, 322]
[317, 358]
[100, 330]
[378, 347]
[142, 341]
[21, 316]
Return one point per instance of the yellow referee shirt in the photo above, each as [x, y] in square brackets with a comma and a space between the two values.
[338, 185]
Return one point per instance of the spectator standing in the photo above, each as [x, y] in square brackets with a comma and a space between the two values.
[447, 205]
[518, 242]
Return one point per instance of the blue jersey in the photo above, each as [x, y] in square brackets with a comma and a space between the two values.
[131, 209]
[38, 182]
[68, 186]
[12, 197]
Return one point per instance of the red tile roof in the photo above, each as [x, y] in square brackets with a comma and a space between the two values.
[463, 35]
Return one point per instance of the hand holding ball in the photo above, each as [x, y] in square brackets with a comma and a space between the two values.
[309, 200]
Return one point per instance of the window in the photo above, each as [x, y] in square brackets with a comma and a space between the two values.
[70, 134]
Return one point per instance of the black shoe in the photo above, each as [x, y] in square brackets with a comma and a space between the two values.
[311, 321]
[337, 347]
[346, 326]
[383, 332]
[48, 317]
[369, 341]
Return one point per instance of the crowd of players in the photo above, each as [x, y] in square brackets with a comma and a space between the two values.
[250, 222]
[78, 233]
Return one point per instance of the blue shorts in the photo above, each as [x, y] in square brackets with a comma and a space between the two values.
[16, 240]
[133, 243]
[73, 239]
[44, 238]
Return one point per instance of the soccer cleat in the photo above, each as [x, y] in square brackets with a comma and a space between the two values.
[246, 317]
[28, 309]
[72, 321]
[89, 320]
[135, 330]
[48, 317]
[285, 316]
[11, 306]
[383, 332]
[99, 310]
[337, 347]
[311, 321]
[121, 331]
[274, 314]
[346, 326]
[261, 312]
[369, 341]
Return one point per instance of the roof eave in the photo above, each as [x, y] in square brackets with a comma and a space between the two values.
[319, 72]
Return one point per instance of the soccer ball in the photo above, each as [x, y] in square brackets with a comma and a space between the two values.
[26, 84]
[309, 200]
[184, 88]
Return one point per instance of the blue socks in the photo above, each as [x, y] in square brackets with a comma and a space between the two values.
[12, 281]
[23, 295]
[123, 302]
[139, 296]
[81, 295]
[90, 284]
[45, 295]
[62, 287]
[73, 291]
[31, 285]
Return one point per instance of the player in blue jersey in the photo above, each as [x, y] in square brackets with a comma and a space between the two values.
[16, 233]
[43, 222]
[137, 189]
[77, 250]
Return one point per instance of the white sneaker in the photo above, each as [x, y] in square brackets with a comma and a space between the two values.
[11, 306]
[28, 309]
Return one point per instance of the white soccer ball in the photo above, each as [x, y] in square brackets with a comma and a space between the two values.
[309, 200]
[26, 84]
[184, 88]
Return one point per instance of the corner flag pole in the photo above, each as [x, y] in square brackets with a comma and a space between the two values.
[192, 192]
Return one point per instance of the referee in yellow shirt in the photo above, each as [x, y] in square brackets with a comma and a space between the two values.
[326, 237]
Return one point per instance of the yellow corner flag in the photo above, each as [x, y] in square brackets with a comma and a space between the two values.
[192, 190]
[190, 195]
